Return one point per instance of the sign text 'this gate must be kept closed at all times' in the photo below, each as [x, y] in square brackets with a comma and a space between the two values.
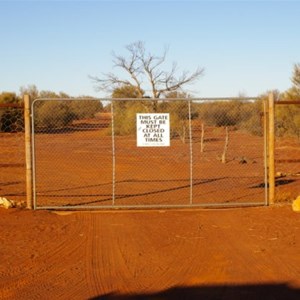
[153, 130]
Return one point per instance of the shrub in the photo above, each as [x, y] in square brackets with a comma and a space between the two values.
[125, 115]
[240, 114]
[11, 120]
[287, 120]
[59, 113]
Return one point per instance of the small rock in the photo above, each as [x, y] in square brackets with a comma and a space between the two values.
[243, 160]
[6, 203]
[296, 205]
[279, 174]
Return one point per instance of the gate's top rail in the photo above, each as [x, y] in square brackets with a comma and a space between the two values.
[150, 99]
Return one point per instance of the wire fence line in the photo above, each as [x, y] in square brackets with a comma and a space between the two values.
[118, 153]
[89, 153]
[287, 150]
[12, 157]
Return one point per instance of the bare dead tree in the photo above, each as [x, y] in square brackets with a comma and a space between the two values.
[145, 69]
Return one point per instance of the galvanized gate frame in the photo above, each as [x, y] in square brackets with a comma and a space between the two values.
[268, 128]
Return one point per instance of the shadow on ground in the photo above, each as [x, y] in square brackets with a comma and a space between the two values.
[222, 292]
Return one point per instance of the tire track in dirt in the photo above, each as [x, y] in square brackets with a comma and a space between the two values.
[106, 269]
[150, 252]
[87, 254]
[92, 253]
[179, 252]
[151, 258]
[31, 281]
[245, 254]
[136, 253]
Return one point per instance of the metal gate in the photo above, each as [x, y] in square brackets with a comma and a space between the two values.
[148, 153]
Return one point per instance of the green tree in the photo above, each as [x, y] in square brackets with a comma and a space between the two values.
[287, 116]
[292, 94]
[127, 91]
[9, 97]
[125, 110]
[179, 113]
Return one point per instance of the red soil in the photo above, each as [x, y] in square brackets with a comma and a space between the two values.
[240, 253]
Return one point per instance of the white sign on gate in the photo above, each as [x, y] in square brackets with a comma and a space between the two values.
[153, 130]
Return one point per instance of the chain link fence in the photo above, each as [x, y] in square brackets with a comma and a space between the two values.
[12, 156]
[98, 153]
[287, 150]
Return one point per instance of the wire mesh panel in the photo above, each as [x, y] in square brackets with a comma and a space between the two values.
[148, 153]
[72, 153]
[229, 152]
[287, 151]
[152, 153]
[12, 156]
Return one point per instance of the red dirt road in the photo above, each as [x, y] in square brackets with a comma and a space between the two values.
[248, 253]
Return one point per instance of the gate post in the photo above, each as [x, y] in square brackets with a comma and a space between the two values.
[271, 149]
[28, 153]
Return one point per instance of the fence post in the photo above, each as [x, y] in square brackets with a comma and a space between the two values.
[271, 149]
[28, 153]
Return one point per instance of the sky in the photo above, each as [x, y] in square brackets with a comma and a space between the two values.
[245, 47]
